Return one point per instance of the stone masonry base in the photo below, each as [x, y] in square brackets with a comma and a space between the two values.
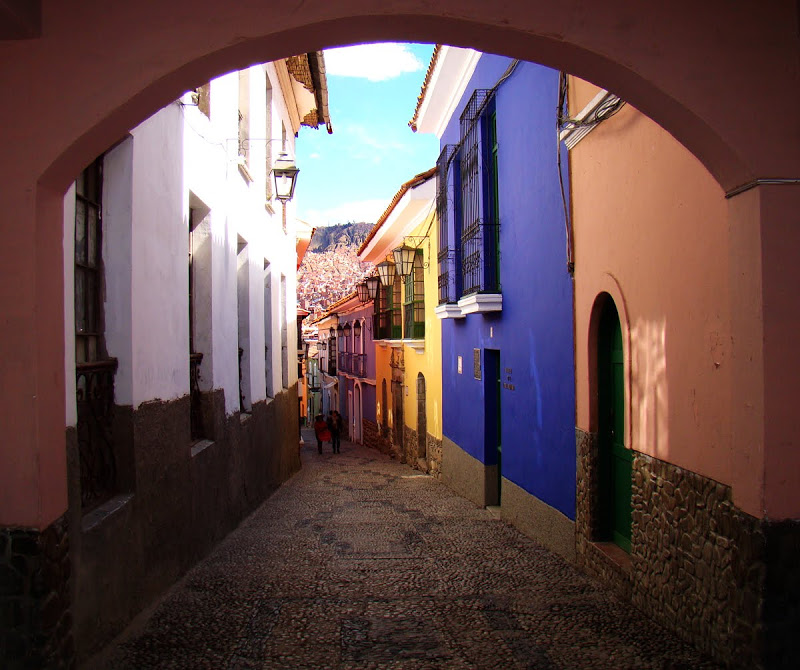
[723, 580]
[35, 602]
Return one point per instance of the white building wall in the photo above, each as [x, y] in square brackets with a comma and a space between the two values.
[177, 160]
[160, 328]
[117, 257]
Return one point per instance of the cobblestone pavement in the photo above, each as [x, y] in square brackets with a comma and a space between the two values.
[361, 562]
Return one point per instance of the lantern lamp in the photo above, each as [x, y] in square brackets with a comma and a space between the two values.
[404, 259]
[284, 171]
[357, 329]
[346, 329]
[332, 331]
[386, 273]
[363, 292]
[373, 283]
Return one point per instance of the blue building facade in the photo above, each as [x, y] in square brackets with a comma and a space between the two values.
[506, 300]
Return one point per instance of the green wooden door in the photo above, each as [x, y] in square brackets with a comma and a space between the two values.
[615, 459]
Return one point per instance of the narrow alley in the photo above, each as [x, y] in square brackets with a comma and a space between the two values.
[359, 561]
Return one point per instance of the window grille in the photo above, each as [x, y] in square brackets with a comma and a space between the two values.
[446, 252]
[414, 303]
[478, 187]
[94, 370]
[397, 307]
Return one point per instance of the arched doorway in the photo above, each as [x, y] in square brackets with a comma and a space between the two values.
[614, 459]
[422, 420]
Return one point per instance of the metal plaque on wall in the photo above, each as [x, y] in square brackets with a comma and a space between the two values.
[476, 354]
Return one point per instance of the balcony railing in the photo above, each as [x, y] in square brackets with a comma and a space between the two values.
[354, 364]
[479, 259]
[94, 383]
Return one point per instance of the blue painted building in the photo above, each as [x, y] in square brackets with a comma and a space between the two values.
[505, 289]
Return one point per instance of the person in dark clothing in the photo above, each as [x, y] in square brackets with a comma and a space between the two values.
[335, 427]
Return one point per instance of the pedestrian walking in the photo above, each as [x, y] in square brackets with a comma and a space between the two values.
[335, 427]
[321, 431]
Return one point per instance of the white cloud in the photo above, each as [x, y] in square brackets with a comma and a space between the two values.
[375, 62]
[315, 155]
[361, 210]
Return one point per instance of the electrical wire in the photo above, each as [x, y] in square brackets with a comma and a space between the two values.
[562, 102]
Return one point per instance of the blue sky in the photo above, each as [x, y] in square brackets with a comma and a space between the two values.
[353, 174]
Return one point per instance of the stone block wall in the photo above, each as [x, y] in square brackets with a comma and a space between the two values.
[36, 598]
[374, 439]
[723, 580]
[434, 456]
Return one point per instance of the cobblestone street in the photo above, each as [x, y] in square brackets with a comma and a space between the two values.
[361, 562]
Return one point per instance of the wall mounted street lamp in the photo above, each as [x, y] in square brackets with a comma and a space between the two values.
[373, 283]
[346, 329]
[332, 331]
[363, 292]
[357, 329]
[284, 171]
[386, 273]
[404, 259]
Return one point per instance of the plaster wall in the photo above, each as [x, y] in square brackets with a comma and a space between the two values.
[534, 330]
[714, 82]
[239, 209]
[649, 221]
[159, 322]
[429, 362]
[117, 220]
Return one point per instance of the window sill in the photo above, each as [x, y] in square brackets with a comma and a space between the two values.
[201, 445]
[105, 511]
[481, 303]
[416, 345]
[448, 311]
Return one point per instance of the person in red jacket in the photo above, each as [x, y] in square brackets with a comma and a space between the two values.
[321, 431]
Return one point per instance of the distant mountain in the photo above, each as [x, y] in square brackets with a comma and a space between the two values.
[339, 236]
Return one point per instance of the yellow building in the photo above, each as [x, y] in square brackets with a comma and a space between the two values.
[407, 333]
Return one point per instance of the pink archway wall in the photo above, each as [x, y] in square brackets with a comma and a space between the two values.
[722, 77]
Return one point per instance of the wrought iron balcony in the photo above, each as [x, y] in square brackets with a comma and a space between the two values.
[94, 383]
[351, 363]
[479, 259]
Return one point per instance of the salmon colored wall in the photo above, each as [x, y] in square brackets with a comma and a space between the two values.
[650, 228]
[428, 363]
[715, 80]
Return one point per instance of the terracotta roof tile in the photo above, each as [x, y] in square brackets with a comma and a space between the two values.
[431, 66]
[411, 183]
